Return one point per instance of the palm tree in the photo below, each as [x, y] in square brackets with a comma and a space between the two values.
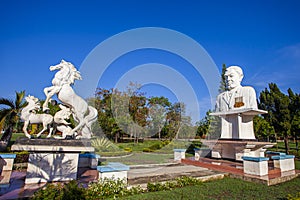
[10, 116]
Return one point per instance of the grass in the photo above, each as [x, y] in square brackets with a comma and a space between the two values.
[227, 188]
[140, 158]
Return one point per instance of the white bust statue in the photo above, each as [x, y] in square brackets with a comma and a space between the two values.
[237, 96]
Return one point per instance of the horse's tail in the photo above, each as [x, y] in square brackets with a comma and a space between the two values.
[89, 120]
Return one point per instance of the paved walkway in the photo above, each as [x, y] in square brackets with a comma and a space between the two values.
[142, 175]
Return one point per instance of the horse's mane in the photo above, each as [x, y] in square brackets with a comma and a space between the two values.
[74, 74]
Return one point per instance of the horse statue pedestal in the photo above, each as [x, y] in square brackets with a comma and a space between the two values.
[52, 160]
[237, 136]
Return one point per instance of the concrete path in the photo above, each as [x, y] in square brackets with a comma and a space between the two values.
[138, 175]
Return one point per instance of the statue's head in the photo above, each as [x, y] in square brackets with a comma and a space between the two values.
[234, 76]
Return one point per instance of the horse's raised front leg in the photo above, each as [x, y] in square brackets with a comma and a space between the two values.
[26, 123]
[49, 92]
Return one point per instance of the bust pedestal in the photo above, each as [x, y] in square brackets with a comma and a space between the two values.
[238, 124]
[237, 135]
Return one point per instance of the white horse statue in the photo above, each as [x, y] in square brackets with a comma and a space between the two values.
[28, 114]
[60, 122]
[82, 113]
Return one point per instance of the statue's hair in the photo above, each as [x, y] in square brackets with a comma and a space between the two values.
[237, 69]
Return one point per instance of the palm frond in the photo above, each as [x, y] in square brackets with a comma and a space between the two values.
[7, 102]
[19, 99]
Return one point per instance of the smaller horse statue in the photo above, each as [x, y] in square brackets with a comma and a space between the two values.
[61, 124]
[29, 116]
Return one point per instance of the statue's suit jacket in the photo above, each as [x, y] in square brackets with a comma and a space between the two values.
[226, 100]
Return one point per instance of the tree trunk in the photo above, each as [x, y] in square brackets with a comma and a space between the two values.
[5, 139]
[116, 137]
[297, 145]
[286, 142]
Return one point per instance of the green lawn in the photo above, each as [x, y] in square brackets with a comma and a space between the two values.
[140, 158]
[227, 188]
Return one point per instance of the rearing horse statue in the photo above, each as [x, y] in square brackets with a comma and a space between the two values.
[82, 113]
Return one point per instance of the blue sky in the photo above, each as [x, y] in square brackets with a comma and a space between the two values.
[263, 37]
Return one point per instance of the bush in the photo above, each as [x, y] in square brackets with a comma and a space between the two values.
[155, 146]
[195, 144]
[103, 145]
[70, 191]
[128, 149]
[295, 153]
[21, 157]
[296, 197]
[179, 182]
[147, 150]
[107, 188]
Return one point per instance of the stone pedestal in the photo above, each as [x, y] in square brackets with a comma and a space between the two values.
[113, 170]
[179, 154]
[52, 160]
[284, 162]
[6, 166]
[235, 149]
[238, 123]
[255, 165]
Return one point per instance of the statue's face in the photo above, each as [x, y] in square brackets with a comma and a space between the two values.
[233, 79]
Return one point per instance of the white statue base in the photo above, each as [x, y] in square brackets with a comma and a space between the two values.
[237, 136]
[52, 160]
[238, 124]
[236, 149]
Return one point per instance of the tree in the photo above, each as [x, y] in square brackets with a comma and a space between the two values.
[158, 107]
[277, 105]
[10, 116]
[223, 83]
[203, 125]
[106, 120]
[294, 108]
[262, 128]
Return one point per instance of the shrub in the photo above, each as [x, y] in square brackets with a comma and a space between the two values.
[128, 149]
[295, 153]
[296, 197]
[70, 191]
[103, 145]
[155, 187]
[21, 157]
[179, 182]
[187, 181]
[147, 150]
[107, 188]
[51, 191]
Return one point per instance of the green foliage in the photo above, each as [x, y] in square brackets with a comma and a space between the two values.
[280, 110]
[10, 114]
[128, 149]
[148, 150]
[21, 157]
[262, 127]
[70, 191]
[223, 83]
[110, 188]
[296, 197]
[195, 144]
[103, 145]
[169, 185]
[187, 181]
